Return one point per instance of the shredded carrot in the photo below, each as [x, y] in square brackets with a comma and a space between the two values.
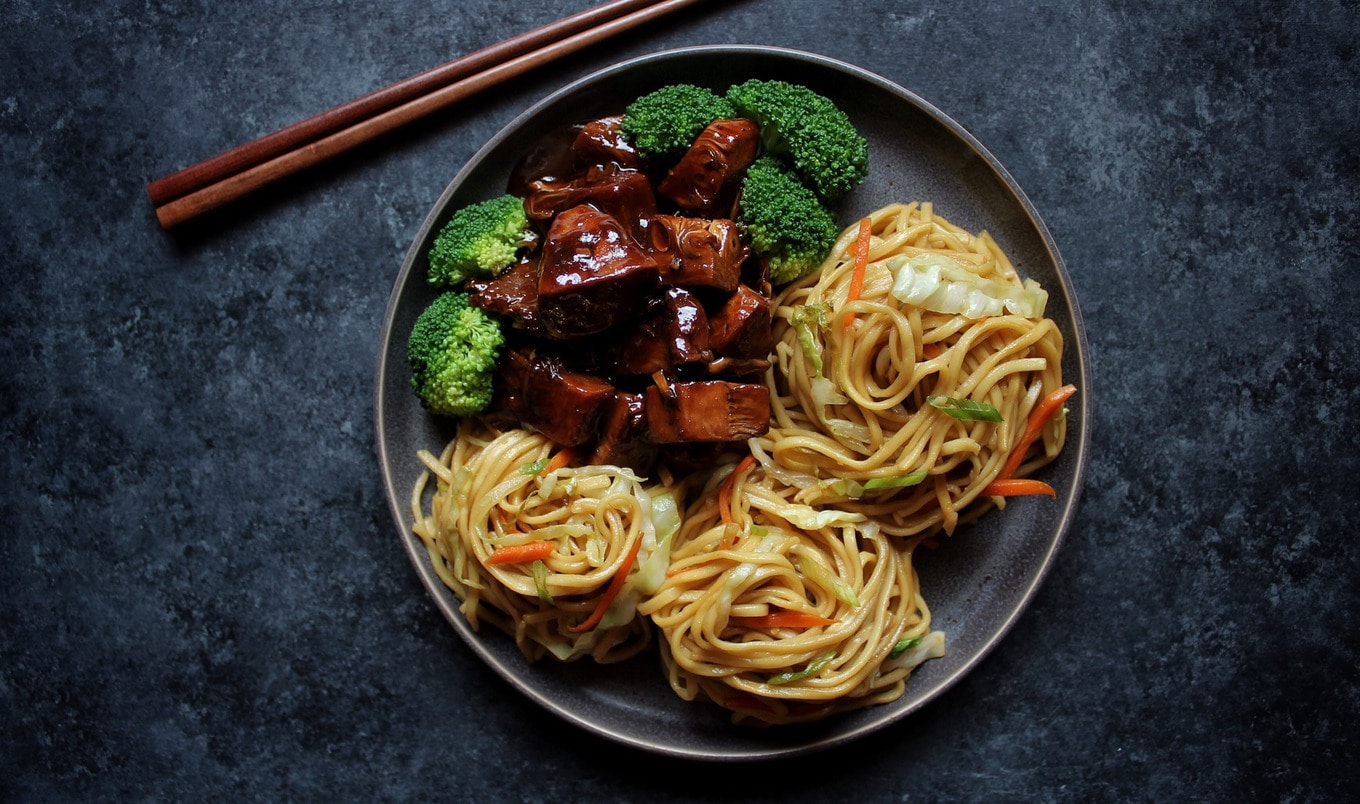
[861, 262]
[1042, 413]
[520, 553]
[725, 490]
[612, 591]
[782, 619]
[1017, 487]
[559, 460]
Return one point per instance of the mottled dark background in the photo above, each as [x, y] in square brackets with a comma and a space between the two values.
[201, 589]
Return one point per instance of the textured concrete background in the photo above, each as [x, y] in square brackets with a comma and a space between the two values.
[201, 591]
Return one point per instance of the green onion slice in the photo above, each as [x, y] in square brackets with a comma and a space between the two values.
[904, 645]
[855, 489]
[965, 409]
[814, 667]
[901, 481]
[541, 581]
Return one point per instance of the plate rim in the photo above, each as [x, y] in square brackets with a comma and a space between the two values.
[398, 500]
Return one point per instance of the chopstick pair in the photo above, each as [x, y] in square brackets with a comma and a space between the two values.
[209, 184]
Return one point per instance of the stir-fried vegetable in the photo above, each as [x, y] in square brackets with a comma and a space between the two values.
[943, 285]
[862, 240]
[855, 489]
[1017, 487]
[809, 321]
[903, 645]
[782, 619]
[1044, 411]
[612, 591]
[965, 409]
[814, 667]
[520, 553]
[813, 570]
[666, 520]
[541, 582]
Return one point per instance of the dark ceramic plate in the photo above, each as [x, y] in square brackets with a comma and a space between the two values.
[977, 584]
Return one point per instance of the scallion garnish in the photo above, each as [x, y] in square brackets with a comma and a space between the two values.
[541, 581]
[904, 645]
[964, 409]
[898, 482]
[534, 468]
[855, 489]
[814, 667]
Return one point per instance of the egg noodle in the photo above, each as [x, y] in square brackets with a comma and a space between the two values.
[782, 587]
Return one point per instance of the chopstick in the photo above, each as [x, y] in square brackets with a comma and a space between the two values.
[207, 185]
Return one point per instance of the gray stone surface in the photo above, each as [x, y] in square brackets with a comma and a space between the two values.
[202, 591]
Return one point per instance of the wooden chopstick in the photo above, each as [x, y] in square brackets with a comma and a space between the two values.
[226, 177]
[198, 176]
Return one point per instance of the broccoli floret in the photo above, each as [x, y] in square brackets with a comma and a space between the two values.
[788, 226]
[667, 120]
[807, 129]
[480, 239]
[453, 351]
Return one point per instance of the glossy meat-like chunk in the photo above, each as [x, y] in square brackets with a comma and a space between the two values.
[673, 332]
[592, 275]
[624, 194]
[564, 405]
[623, 439]
[512, 294]
[741, 327]
[708, 410]
[601, 142]
[721, 151]
[697, 252]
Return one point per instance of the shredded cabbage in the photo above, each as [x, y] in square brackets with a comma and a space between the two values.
[809, 321]
[943, 285]
[824, 393]
[666, 520]
[813, 570]
[809, 518]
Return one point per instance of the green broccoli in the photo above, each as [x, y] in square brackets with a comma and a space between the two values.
[667, 120]
[453, 351]
[807, 129]
[480, 239]
[787, 224]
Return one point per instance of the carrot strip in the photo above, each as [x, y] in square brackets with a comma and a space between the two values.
[1044, 411]
[725, 490]
[861, 262]
[1017, 487]
[520, 553]
[559, 460]
[612, 591]
[782, 619]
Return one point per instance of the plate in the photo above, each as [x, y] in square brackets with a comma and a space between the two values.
[977, 584]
